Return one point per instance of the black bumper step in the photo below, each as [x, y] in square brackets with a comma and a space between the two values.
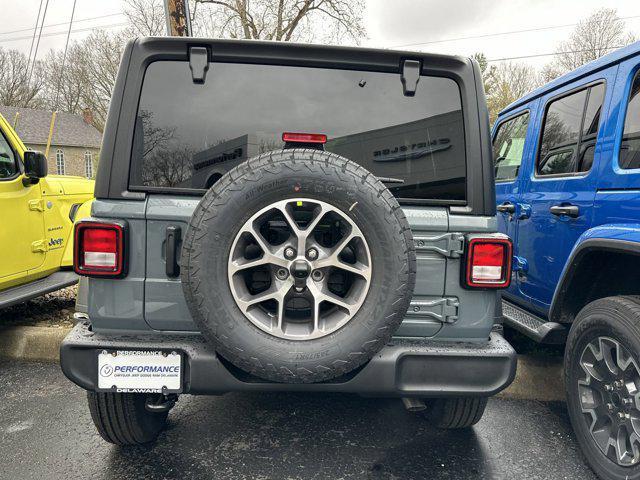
[533, 326]
[22, 293]
[403, 368]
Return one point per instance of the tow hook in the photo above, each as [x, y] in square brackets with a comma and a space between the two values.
[413, 404]
[161, 404]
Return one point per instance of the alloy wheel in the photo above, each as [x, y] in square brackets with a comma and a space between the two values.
[609, 394]
[299, 269]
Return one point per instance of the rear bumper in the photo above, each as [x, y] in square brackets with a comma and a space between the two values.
[403, 368]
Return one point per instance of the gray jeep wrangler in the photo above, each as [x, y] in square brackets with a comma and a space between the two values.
[282, 217]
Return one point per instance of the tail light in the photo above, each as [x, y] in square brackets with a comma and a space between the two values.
[488, 262]
[314, 141]
[292, 137]
[99, 249]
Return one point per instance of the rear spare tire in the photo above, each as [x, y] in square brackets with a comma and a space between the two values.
[298, 265]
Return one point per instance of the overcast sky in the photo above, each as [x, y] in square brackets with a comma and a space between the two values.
[389, 23]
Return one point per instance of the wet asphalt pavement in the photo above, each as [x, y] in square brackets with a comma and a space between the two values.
[46, 433]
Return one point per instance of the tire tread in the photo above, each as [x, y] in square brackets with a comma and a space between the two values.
[456, 413]
[120, 418]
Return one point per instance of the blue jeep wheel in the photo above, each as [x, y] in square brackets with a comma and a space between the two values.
[602, 382]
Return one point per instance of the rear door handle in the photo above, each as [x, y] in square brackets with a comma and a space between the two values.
[569, 210]
[172, 240]
[506, 207]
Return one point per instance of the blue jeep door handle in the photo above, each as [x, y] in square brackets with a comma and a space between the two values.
[506, 207]
[568, 210]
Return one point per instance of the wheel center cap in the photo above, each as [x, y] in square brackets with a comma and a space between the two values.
[616, 399]
[300, 269]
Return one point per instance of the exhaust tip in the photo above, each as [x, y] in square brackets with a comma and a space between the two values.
[414, 404]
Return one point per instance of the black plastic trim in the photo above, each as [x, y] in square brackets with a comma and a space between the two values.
[403, 368]
[36, 288]
[551, 333]
[73, 211]
[173, 235]
[593, 244]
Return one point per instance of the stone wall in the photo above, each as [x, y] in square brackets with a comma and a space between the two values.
[74, 160]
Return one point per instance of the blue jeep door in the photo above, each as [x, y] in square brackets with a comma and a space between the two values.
[511, 142]
[560, 187]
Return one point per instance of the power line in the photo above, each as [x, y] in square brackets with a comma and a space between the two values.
[62, 23]
[549, 54]
[35, 52]
[33, 38]
[497, 34]
[54, 34]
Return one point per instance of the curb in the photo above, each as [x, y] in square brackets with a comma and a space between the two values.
[537, 378]
[32, 343]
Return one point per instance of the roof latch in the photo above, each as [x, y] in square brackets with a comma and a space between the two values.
[198, 63]
[410, 77]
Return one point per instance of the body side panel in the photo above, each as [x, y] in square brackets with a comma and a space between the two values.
[544, 240]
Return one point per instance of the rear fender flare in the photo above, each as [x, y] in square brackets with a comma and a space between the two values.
[618, 238]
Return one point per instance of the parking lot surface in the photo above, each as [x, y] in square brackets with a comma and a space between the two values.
[46, 432]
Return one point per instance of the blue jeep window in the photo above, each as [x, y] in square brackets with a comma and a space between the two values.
[508, 147]
[192, 136]
[630, 147]
[569, 133]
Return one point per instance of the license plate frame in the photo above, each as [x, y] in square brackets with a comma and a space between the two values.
[139, 371]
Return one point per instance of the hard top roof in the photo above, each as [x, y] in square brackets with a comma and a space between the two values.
[587, 69]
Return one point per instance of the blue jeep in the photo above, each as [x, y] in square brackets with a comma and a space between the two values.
[567, 167]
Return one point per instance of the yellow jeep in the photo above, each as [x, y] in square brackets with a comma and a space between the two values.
[37, 212]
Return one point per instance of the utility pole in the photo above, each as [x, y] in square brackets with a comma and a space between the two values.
[177, 16]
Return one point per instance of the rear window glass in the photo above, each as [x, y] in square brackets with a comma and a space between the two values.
[188, 135]
[508, 147]
[560, 134]
[570, 132]
[630, 147]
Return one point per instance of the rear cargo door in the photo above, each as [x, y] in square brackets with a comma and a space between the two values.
[165, 307]
[414, 140]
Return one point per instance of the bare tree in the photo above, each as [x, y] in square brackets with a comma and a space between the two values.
[282, 20]
[146, 17]
[550, 72]
[168, 168]
[64, 88]
[592, 38]
[506, 82]
[14, 90]
[98, 58]
[155, 138]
